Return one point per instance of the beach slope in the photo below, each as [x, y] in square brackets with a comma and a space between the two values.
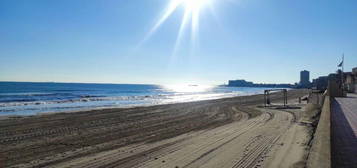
[230, 132]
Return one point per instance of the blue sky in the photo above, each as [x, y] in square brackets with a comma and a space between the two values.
[100, 41]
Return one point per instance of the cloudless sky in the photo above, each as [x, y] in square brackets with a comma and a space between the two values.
[267, 41]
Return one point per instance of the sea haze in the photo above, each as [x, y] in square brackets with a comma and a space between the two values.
[28, 98]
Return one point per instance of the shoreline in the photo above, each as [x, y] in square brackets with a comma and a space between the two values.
[61, 100]
[123, 107]
[137, 134]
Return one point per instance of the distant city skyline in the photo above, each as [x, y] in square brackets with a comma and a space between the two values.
[144, 42]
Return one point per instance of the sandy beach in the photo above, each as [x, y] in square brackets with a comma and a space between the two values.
[229, 132]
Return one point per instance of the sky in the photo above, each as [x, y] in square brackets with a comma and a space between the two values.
[116, 41]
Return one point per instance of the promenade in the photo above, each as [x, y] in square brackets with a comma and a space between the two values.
[344, 131]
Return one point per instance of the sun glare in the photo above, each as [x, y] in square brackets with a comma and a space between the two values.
[191, 16]
[187, 88]
[194, 5]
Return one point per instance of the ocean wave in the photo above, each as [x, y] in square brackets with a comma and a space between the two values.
[84, 98]
[62, 100]
[22, 93]
[33, 97]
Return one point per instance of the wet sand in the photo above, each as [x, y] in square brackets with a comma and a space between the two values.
[230, 132]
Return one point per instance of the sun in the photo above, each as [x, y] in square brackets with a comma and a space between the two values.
[194, 5]
[191, 16]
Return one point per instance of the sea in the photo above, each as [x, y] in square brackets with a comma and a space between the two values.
[31, 98]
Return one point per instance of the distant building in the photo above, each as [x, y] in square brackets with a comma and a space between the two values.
[350, 80]
[354, 71]
[337, 84]
[244, 83]
[304, 77]
[320, 83]
[346, 81]
[240, 83]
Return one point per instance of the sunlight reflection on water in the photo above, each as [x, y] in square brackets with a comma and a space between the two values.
[188, 88]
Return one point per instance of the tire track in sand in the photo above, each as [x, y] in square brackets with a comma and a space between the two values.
[198, 148]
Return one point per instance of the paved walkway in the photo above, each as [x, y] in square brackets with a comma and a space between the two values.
[344, 131]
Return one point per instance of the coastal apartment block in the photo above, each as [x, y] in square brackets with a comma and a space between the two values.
[349, 81]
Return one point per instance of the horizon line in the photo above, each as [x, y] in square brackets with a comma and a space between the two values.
[224, 83]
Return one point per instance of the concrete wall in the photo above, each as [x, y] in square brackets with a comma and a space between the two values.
[320, 152]
[350, 88]
[334, 88]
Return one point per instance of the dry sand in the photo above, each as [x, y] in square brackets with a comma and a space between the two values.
[231, 132]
